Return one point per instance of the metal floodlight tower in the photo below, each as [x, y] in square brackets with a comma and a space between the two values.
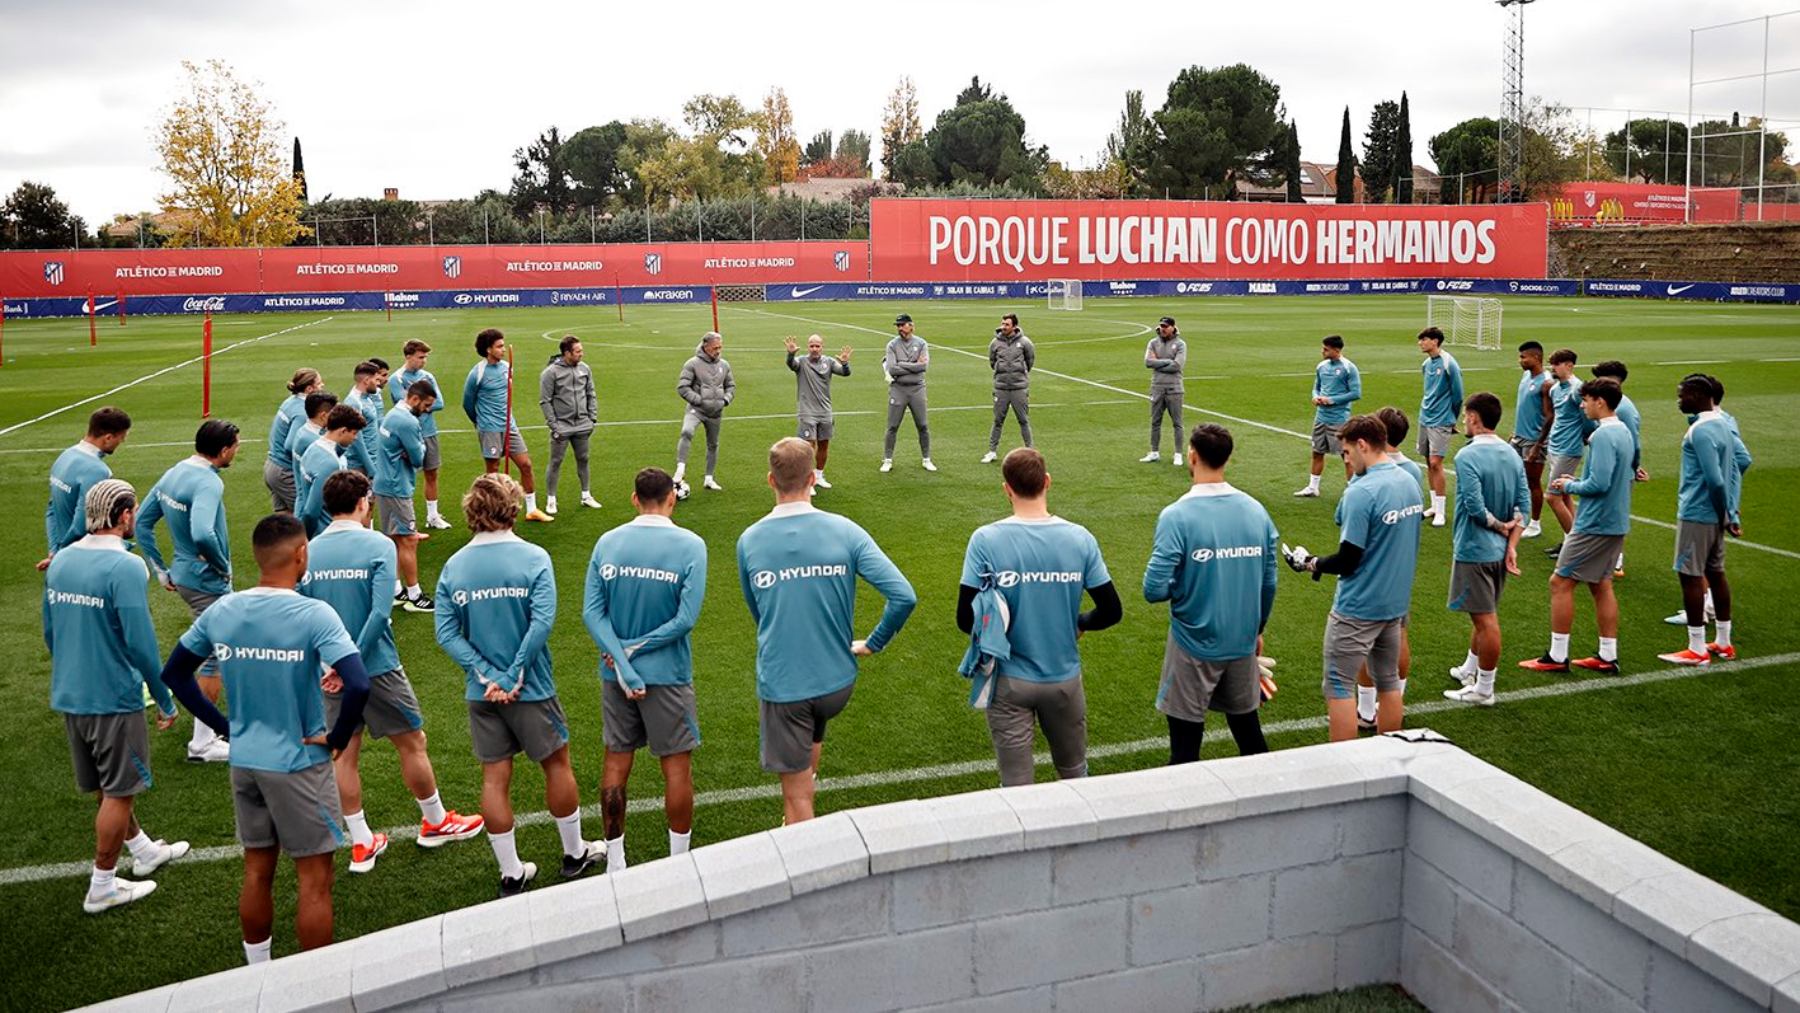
[1512, 100]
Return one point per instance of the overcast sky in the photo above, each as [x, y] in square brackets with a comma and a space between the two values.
[432, 98]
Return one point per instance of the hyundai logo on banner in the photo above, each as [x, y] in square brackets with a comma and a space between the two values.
[841, 260]
[53, 272]
[653, 263]
[453, 267]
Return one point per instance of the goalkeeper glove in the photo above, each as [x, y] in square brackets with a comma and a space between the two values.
[1265, 676]
[1298, 559]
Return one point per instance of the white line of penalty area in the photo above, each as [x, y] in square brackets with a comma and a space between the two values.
[1249, 422]
[969, 768]
[151, 376]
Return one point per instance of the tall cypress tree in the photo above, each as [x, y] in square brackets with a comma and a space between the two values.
[1403, 156]
[300, 170]
[1291, 164]
[1346, 167]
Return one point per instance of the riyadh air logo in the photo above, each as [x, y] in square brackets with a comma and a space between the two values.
[653, 263]
[453, 267]
[53, 272]
[608, 571]
[763, 579]
[841, 261]
[460, 598]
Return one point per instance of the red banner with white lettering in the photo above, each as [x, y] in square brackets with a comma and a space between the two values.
[46, 273]
[1004, 240]
[1596, 202]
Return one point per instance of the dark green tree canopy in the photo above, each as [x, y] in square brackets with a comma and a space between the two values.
[981, 139]
[1467, 156]
[591, 158]
[1380, 159]
[1216, 125]
[1346, 165]
[543, 179]
[34, 218]
[1403, 155]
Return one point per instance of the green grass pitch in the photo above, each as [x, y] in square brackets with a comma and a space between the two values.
[1701, 767]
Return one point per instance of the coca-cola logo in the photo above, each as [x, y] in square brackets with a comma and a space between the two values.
[209, 304]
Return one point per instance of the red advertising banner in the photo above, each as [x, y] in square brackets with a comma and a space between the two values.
[1003, 240]
[47, 273]
[1596, 202]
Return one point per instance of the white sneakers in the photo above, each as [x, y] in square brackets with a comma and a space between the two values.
[165, 853]
[1151, 458]
[887, 465]
[1179, 460]
[1437, 519]
[708, 483]
[1532, 530]
[1307, 493]
[1680, 618]
[927, 465]
[550, 505]
[216, 751]
[123, 892]
[819, 481]
[588, 500]
[989, 458]
[1462, 675]
[1470, 694]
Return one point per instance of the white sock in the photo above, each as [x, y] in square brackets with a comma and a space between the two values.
[201, 737]
[1559, 647]
[680, 470]
[1365, 703]
[1312, 483]
[1402, 689]
[585, 494]
[615, 853]
[142, 847]
[399, 586]
[432, 809]
[1724, 628]
[1437, 503]
[531, 502]
[1697, 639]
[507, 854]
[258, 953]
[1609, 648]
[1484, 681]
[1471, 663]
[431, 508]
[569, 829]
[359, 829]
[1709, 601]
[100, 882]
[678, 843]
[1620, 565]
[818, 472]
[414, 590]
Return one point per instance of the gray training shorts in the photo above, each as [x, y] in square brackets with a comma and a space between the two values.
[111, 752]
[1699, 548]
[813, 431]
[664, 719]
[393, 707]
[434, 456]
[1529, 451]
[1475, 587]
[1192, 686]
[397, 517]
[1351, 642]
[1018, 707]
[1325, 439]
[1434, 441]
[1561, 466]
[499, 731]
[789, 730]
[491, 443]
[298, 811]
[1589, 558]
[281, 486]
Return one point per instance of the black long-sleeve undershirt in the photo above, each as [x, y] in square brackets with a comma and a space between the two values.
[1343, 562]
[1107, 610]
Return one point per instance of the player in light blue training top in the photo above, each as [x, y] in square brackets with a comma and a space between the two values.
[1492, 501]
[1214, 563]
[328, 454]
[1740, 463]
[272, 644]
[309, 429]
[103, 654]
[1602, 519]
[1337, 384]
[1439, 408]
[1039, 565]
[1531, 427]
[798, 568]
[401, 451]
[496, 603]
[365, 397]
[191, 496]
[487, 401]
[1569, 429]
[278, 469]
[351, 568]
[76, 470]
[1613, 369]
[411, 371]
[1377, 556]
[645, 582]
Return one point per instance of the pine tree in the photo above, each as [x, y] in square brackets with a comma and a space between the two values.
[1346, 166]
[1292, 164]
[300, 170]
[1403, 156]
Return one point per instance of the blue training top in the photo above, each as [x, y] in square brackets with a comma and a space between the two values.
[397, 384]
[1490, 482]
[76, 470]
[1214, 562]
[484, 396]
[645, 582]
[351, 569]
[401, 455]
[1528, 409]
[1443, 396]
[1382, 513]
[103, 648]
[1604, 488]
[496, 602]
[1041, 568]
[1339, 380]
[191, 497]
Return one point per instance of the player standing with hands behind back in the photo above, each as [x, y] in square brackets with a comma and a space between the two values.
[1439, 407]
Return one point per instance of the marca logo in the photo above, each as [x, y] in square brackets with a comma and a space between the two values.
[841, 261]
[653, 263]
[1455, 286]
[209, 304]
[226, 652]
[452, 267]
[1396, 516]
[53, 272]
[1262, 288]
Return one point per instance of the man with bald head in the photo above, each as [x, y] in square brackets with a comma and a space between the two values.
[812, 396]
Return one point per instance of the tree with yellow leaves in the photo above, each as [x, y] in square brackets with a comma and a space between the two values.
[776, 140]
[222, 151]
[899, 124]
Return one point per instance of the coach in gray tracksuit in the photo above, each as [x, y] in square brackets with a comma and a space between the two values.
[571, 410]
[707, 386]
[1166, 357]
[1011, 356]
[905, 364]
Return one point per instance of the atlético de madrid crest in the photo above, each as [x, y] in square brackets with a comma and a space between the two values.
[452, 267]
[53, 272]
[653, 263]
[841, 260]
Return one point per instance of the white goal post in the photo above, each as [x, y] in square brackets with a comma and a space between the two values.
[1063, 293]
[1470, 321]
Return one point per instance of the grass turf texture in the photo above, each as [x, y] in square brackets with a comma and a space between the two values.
[1700, 768]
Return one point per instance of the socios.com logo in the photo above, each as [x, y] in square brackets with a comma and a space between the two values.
[608, 571]
[1203, 555]
[763, 579]
[222, 652]
[461, 598]
[1007, 578]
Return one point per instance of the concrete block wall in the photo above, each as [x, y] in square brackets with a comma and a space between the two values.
[1201, 887]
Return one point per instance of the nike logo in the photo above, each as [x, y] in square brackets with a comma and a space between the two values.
[1678, 289]
[801, 293]
[100, 306]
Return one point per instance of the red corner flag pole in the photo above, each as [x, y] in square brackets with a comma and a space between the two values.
[715, 306]
[2, 330]
[387, 300]
[206, 369]
[121, 309]
[93, 333]
[619, 297]
[507, 426]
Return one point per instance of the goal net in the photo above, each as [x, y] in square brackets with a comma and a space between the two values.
[1063, 293]
[1470, 321]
